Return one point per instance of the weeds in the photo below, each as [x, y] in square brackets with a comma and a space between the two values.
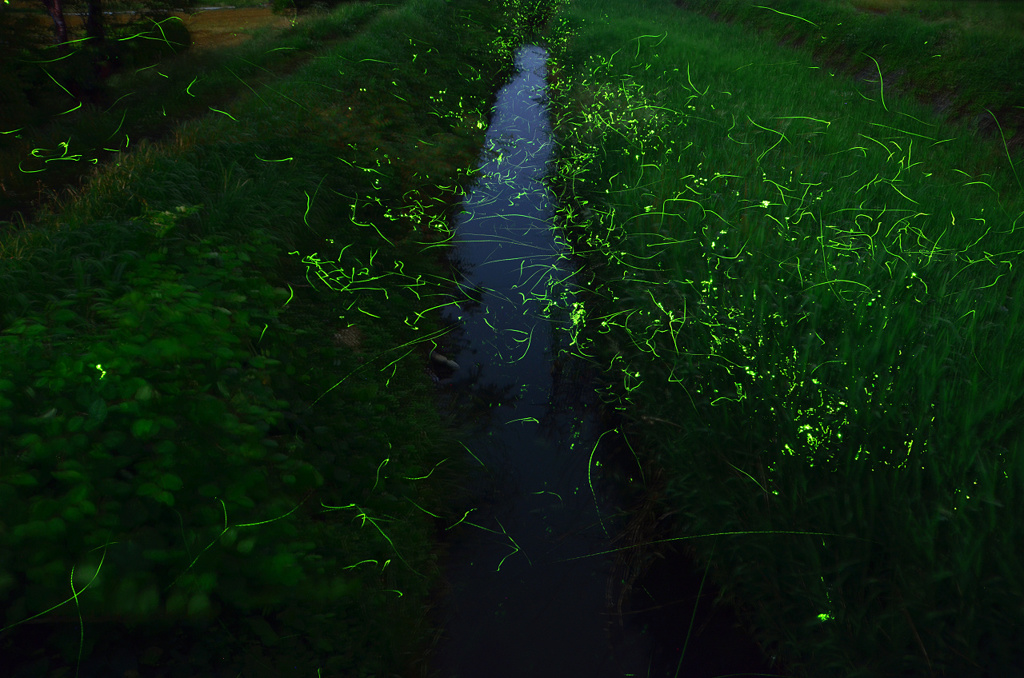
[818, 293]
[183, 441]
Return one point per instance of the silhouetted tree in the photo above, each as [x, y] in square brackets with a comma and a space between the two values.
[94, 23]
[60, 28]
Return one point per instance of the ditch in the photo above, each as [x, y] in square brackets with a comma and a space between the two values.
[547, 574]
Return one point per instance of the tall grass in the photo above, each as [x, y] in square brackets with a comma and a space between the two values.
[811, 282]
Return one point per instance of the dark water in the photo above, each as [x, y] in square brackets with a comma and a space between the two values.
[529, 597]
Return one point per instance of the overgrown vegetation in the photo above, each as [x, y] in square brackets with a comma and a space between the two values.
[218, 446]
[806, 290]
[219, 450]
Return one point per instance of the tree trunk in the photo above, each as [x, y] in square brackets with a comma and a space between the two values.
[94, 24]
[60, 29]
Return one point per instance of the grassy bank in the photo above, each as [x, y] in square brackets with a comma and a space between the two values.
[219, 451]
[805, 294]
[63, 118]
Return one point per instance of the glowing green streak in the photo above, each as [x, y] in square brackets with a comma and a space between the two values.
[265, 160]
[373, 522]
[903, 131]
[459, 521]
[781, 137]
[215, 110]
[750, 476]
[309, 202]
[428, 474]
[1002, 136]
[472, 455]
[881, 84]
[713, 534]
[432, 515]
[370, 224]
[427, 338]
[649, 36]
[794, 16]
[880, 144]
[226, 527]
[74, 594]
[529, 419]
[379, 467]
[691, 82]
[590, 482]
[797, 117]
[893, 187]
[262, 522]
[514, 544]
[65, 90]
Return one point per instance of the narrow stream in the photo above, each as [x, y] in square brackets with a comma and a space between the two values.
[528, 596]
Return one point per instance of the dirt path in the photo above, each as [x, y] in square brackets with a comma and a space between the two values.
[210, 28]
